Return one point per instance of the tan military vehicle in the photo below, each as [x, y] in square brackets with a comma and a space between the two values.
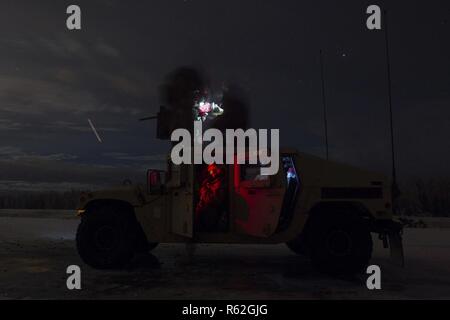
[321, 209]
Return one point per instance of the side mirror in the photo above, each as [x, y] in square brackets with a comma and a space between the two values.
[154, 180]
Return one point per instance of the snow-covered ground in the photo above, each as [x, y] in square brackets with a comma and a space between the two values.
[36, 248]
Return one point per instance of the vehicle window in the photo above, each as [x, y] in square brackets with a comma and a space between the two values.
[252, 173]
[289, 170]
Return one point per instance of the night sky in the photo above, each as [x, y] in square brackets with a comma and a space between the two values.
[53, 80]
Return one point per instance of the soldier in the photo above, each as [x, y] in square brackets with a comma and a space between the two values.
[211, 208]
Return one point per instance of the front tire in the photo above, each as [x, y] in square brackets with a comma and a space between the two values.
[297, 246]
[340, 243]
[106, 237]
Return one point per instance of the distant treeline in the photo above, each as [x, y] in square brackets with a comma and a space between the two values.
[39, 200]
[418, 198]
[425, 198]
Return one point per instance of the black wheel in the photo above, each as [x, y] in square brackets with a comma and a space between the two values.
[340, 243]
[142, 245]
[297, 246]
[106, 237]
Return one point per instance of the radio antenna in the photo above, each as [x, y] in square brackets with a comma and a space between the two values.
[394, 188]
[324, 102]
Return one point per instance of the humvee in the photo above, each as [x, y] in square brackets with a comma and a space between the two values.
[322, 209]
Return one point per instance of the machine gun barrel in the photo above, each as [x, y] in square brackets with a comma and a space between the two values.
[163, 123]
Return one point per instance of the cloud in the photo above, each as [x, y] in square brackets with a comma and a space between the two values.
[81, 127]
[10, 152]
[38, 97]
[139, 158]
[35, 97]
[60, 76]
[64, 47]
[107, 50]
[14, 153]
[7, 125]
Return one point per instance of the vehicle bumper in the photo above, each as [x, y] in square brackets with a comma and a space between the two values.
[391, 233]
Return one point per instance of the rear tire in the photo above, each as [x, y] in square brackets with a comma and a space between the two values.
[106, 237]
[340, 243]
